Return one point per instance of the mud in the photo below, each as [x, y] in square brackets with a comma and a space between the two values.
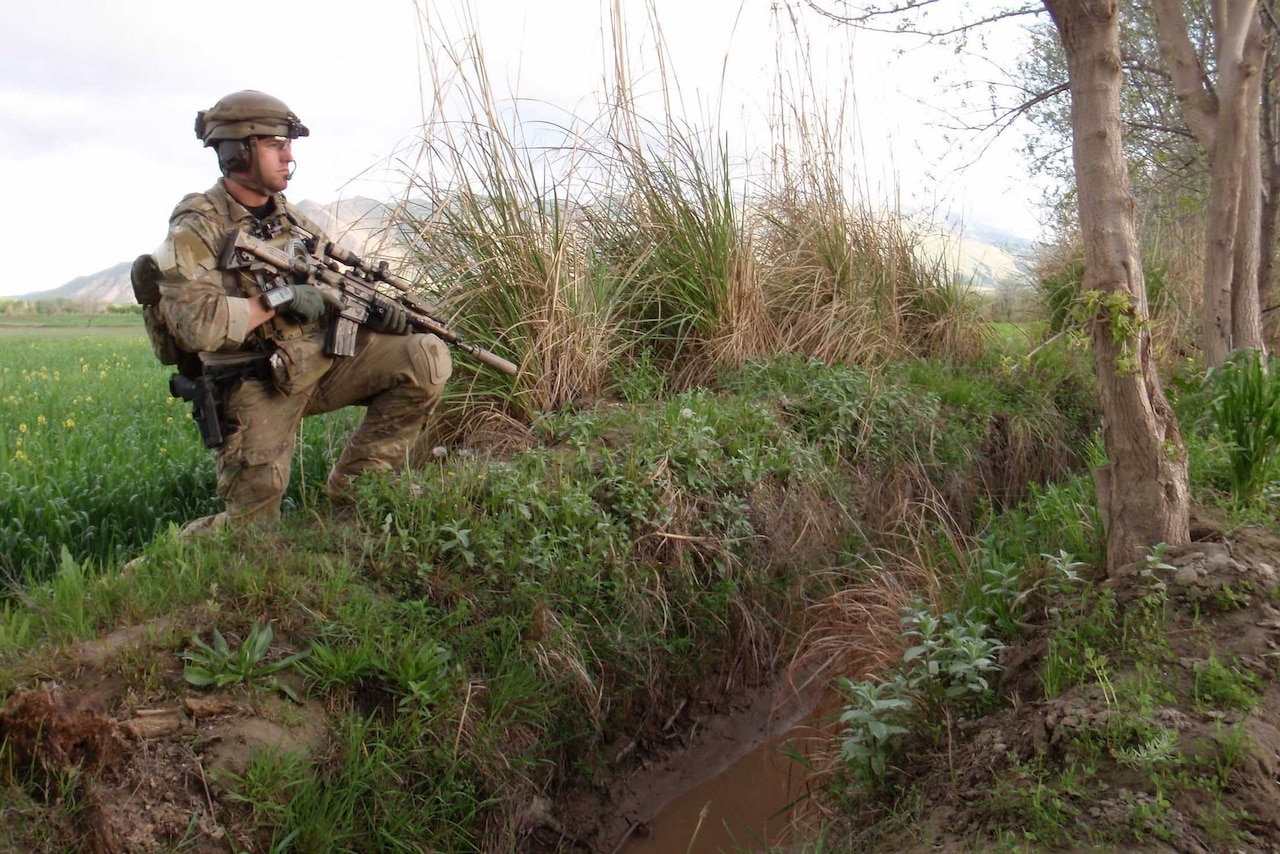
[746, 806]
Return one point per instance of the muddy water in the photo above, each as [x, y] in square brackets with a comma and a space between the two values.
[744, 807]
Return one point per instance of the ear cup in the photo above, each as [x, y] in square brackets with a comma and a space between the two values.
[233, 155]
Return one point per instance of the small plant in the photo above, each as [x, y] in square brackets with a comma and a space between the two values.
[872, 724]
[1150, 752]
[1244, 408]
[270, 778]
[1218, 685]
[218, 665]
[333, 666]
[951, 658]
[1064, 571]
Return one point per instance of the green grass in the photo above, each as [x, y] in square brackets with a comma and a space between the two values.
[9, 323]
[96, 457]
[483, 639]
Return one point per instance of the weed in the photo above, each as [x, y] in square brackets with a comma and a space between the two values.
[871, 720]
[1042, 806]
[218, 665]
[1244, 408]
[1216, 685]
[269, 781]
[950, 660]
[332, 666]
[1152, 750]
[1235, 597]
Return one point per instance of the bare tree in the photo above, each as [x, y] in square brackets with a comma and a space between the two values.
[1143, 492]
[1226, 119]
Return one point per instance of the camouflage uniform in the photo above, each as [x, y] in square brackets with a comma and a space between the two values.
[399, 378]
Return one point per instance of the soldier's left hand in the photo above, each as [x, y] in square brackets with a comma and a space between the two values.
[389, 318]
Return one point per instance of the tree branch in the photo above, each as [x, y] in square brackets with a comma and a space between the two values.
[1199, 104]
[862, 20]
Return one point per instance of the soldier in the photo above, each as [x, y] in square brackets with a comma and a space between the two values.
[268, 352]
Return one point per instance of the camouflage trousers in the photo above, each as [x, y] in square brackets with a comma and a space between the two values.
[398, 378]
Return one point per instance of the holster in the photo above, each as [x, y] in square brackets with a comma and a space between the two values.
[208, 392]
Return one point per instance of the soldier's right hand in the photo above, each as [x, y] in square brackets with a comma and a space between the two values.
[309, 303]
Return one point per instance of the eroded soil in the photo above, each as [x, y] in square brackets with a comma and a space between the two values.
[1186, 772]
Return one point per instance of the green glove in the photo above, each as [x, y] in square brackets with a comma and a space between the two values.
[306, 303]
[386, 316]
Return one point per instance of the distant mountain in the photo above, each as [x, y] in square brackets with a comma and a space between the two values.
[976, 262]
[987, 233]
[354, 223]
[980, 256]
[107, 286]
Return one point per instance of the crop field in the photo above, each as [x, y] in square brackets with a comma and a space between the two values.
[96, 456]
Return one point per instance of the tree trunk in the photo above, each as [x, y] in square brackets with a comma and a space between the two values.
[1142, 490]
[1269, 296]
[1222, 118]
[1238, 32]
[1246, 313]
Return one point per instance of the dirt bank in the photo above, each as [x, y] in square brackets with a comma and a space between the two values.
[1168, 740]
[1163, 736]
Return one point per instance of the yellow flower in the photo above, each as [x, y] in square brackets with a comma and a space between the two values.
[162, 450]
[69, 423]
[169, 420]
[22, 428]
[19, 457]
[40, 421]
[102, 375]
[84, 369]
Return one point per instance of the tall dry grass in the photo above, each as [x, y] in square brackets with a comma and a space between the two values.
[577, 246]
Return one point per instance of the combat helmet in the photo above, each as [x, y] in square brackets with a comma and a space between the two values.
[244, 114]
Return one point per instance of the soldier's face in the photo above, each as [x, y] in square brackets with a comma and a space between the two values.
[275, 159]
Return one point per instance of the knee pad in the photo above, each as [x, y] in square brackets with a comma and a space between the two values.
[431, 360]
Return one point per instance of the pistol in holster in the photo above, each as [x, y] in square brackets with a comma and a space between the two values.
[207, 395]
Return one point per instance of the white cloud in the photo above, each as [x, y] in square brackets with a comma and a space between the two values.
[97, 100]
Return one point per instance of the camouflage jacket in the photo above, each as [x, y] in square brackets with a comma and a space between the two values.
[205, 308]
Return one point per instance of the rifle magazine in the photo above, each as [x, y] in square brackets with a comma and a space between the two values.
[341, 339]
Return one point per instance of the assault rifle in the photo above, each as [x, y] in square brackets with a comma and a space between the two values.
[367, 292]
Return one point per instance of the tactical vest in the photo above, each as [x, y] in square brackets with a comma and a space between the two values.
[282, 228]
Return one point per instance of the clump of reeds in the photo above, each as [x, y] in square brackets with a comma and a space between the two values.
[578, 248]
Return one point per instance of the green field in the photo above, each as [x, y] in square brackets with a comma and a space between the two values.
[97, 456]
[125, 322]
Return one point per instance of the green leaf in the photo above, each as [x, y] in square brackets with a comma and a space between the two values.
[198, 676]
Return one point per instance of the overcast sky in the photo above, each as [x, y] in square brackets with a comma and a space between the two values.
[98, 101]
